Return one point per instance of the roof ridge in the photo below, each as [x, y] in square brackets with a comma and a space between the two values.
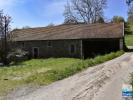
[61, 25]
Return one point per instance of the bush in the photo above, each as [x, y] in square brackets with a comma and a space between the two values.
[1, 55]
[17, 55]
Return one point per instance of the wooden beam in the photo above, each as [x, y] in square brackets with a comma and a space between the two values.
[81, 49]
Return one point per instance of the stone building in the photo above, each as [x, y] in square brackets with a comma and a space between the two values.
[76, 40]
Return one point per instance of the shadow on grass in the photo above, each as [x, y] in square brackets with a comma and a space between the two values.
[129, 49]
[18, 63]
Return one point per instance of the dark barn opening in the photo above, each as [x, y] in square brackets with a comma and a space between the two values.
[94, 47]
[35, 52]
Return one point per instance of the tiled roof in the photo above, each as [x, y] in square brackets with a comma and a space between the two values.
[75, 31]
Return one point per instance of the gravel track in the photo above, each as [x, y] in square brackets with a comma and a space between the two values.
[95, 83]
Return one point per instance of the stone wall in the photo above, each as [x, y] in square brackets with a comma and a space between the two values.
[59, 48]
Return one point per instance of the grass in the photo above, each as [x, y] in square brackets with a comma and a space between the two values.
[45, 71]
[132, 79]
[129, 40]
[131, 82]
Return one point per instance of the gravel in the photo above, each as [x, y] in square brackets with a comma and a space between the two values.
[101, 82]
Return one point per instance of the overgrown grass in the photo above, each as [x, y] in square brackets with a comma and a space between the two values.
[129, 40]
[45, 71]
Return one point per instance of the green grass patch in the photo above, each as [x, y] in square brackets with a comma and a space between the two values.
[131, 82]
[45, 71]
[129, 40]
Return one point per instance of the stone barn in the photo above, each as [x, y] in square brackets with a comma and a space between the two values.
[74, 40]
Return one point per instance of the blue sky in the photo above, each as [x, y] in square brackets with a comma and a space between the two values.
[39, 13]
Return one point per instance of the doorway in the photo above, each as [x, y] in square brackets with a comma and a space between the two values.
[35, 52]
[96, 47]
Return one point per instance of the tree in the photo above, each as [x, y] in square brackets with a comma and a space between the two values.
[50, 25]
[130, 23]
[25, 27]
[4, 35]
[68, 14]
[87, 11]
[130, 11]
[129, 1]
[101, 20]
[130, 17]
[118, 19]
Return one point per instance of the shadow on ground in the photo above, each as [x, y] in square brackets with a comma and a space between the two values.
[129, 49]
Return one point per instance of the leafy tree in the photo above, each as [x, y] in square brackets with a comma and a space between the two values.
[130, 23]
[87, 11]
[101, 20]
[118, 19]
[127, 28]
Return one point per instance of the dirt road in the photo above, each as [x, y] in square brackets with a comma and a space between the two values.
[101, 82]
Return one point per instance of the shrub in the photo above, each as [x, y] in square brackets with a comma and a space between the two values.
[17, 55]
